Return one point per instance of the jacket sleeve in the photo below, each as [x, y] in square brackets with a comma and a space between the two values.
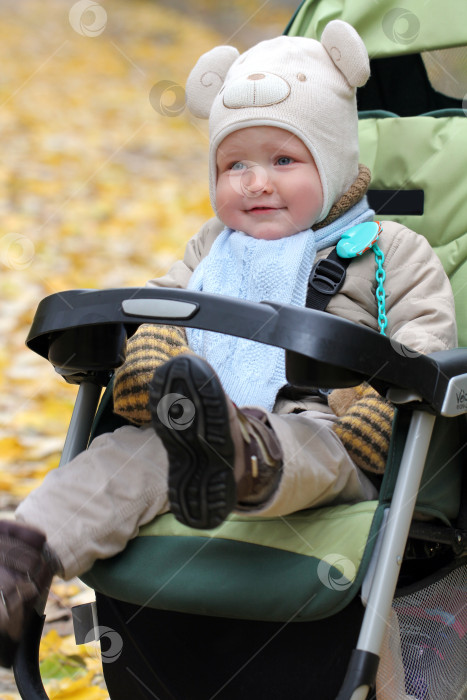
[197, 248]
[419, 299]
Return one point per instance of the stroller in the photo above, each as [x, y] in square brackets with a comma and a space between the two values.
[271, 618]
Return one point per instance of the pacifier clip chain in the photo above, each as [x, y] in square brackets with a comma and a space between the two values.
[380, 291]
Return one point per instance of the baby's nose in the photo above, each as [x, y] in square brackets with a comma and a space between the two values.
[256, 179]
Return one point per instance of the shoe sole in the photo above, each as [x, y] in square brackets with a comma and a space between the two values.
[194, 429]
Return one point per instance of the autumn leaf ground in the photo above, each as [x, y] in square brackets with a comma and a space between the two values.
[102, 181]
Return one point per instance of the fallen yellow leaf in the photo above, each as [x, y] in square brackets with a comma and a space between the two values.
[50, 644]
[80, 689]
[7, 481]
[66, 590]
[11, 449]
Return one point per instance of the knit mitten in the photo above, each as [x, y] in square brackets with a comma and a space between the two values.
[147, 349]
[364, 426]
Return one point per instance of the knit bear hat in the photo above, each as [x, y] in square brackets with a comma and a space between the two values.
[304, 86]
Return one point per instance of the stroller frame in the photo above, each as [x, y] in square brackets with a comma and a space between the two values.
[430, 388]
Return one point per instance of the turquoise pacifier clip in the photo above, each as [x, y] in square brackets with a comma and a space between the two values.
[356, 241]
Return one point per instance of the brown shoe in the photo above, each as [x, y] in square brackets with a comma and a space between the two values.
[26, 572]
[219, 457]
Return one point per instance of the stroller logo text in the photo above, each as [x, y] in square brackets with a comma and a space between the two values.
[461, 397]
[455, 400]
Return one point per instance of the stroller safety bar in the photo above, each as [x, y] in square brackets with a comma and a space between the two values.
[83, 334]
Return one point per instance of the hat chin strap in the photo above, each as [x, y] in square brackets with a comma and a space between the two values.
[354, 194]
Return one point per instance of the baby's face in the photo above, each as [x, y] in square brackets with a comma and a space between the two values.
[268, 185]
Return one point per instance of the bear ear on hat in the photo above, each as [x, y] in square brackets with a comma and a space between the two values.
[347, 50]
[207, 78]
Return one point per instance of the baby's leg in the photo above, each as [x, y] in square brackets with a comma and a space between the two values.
[317, 469]
[248, 459]
[91, 507]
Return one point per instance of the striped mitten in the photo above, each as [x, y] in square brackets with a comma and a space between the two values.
[364, 426]
[147, 349]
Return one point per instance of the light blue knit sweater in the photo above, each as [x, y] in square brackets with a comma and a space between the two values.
[258, 270]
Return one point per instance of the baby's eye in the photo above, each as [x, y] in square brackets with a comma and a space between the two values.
[238, 166]
[284, 160]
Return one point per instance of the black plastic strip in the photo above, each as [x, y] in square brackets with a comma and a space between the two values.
[361, 671]
[397, 202]
[26, 664]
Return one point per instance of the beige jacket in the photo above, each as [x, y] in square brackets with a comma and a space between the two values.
[419, 300]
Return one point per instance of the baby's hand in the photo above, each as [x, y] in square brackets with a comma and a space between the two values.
[364, 426]
[147, 349]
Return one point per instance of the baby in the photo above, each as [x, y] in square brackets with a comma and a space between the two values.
[285, 184]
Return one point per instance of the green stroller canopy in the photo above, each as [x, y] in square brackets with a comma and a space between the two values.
[387, 28]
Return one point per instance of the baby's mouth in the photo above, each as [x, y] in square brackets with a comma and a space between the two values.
[261, 210]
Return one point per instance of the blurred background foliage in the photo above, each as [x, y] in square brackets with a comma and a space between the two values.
[103, 178]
